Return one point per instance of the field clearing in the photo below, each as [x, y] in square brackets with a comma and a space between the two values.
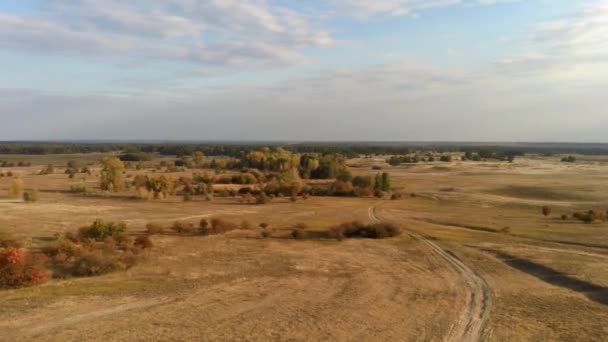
[547, 276]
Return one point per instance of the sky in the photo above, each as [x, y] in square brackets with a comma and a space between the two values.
[374, 70]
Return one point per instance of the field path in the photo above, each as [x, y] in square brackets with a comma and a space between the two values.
[471, 326]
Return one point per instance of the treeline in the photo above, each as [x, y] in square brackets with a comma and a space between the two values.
[347, 149]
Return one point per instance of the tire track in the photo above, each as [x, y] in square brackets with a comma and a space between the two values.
[472, 324]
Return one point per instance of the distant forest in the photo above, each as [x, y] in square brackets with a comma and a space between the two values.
[348, 149]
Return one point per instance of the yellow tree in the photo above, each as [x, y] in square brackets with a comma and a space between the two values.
[112, 177]
[17, 186]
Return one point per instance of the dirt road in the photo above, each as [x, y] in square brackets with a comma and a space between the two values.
[471, 326]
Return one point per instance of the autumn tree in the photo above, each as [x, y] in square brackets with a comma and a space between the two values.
[161, 187]
[17, 186]
[112, 177]
[198, 158]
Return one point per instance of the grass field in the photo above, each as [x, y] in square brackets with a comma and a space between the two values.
[548, 277]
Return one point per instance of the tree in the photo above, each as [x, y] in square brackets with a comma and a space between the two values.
[112, 178]
[378, 184]
[546, 210]
[362, 181]
[161, 187]
[17, 186]
[198, 157]
[386, 182]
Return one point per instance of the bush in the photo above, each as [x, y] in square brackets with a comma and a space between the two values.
[585, 217]
[262, 198]
[266, 234]
[298, 234]
[78, 188]
[357, 229]
[155, 228]
[564, 217]
[20, 269]
[99, 230]
[264, 225]
[31, 196]
[181, 227]
[217, 226]
[143, 242]
[546, 210]
[95, 263]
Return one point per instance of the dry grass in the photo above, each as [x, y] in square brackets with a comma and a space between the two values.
[245, 287]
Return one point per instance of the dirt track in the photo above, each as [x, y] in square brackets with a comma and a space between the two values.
[471, 326]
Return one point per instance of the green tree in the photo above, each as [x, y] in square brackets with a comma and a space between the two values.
[386, 182]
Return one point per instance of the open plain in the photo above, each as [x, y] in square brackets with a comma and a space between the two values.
[476, 259]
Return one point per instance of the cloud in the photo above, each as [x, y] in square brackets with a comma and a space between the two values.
[362, 8]
[570, 49]
[553, 90]
[249, 33]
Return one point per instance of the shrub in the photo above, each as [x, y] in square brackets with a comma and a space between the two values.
[357, 229]
[155, 228]
[217, 226]
[99, 230]
[597, 215]
[264, 225]
[20, 269]
[95, 263]
[78, 188]
[569, 159]
[564, 217]
[143, 242]
[181, 227]
[266, 234]
[262, 198]
[546, 210]
[585, 217]
[298, 234]
[49, 170]
[31, 196]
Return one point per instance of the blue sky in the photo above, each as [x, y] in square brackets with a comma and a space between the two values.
[503, 70]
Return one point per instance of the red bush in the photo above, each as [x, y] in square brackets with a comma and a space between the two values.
[20, 269]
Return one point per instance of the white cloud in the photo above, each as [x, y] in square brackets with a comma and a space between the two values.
[553, 90]
[364, 8]
[225, 32]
